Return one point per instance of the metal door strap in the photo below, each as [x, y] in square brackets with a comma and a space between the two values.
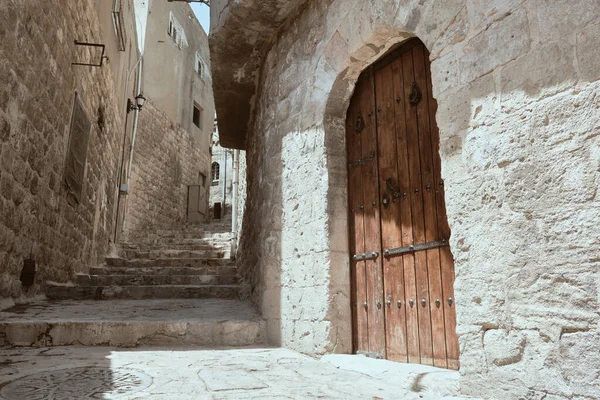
[416, 247]
[362, 160]
[365, 256]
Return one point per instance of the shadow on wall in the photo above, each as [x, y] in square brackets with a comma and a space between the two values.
[518, 140]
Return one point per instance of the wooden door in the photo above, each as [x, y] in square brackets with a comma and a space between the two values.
[402, 267]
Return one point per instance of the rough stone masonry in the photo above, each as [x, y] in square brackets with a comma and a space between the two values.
[38, 87]
[517, 83]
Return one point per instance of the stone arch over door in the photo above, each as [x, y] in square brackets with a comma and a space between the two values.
[402, 270]
[348, 53]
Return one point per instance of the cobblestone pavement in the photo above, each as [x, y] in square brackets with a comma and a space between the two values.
[187, 373]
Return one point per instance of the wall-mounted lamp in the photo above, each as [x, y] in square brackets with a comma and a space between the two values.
[139, 103]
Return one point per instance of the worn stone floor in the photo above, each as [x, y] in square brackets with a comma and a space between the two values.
[189, 373]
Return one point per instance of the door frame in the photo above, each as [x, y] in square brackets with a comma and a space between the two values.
[385, 60]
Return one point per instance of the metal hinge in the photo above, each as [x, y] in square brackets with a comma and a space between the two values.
[416, 247]
[365, 256]
[362, 160]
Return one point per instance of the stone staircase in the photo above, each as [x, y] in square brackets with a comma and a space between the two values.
[190, 263]
[176, 286]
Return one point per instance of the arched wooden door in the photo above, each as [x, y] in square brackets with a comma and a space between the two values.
[402, 268]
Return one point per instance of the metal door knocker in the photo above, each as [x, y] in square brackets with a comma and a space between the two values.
[359, 125]
[415, 95]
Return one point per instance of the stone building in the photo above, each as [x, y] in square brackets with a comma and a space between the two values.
[221, 178]
[338, 104]
[62, 134]
[79, 159]
[171, 161]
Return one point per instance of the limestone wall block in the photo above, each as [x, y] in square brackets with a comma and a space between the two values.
[587, 54]
[502, 42]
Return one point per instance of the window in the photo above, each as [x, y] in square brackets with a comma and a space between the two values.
[176, 32]
[77, 152]
[197, 117]
[200, 67]
[118, 24]
[214, 173]
[201, 179]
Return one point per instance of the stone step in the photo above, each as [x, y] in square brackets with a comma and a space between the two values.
[189, 235]
[167, 262]
[58, 291]
[168, 254]
[189, 244]
[227, 268]
[130, 323]
[149, 280]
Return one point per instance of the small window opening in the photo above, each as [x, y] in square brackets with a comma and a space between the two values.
[214, 173]
[119, 25]
[197, 117]
[199, 66]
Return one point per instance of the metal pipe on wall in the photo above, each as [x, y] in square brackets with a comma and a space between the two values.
[224, 182]
[234, 201]
[132, 147]
[120, 171]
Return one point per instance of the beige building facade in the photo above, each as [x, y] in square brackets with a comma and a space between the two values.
[516, 85]
[170, 160]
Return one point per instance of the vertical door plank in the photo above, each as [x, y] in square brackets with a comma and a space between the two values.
[429, 207]
[372, 224]
[395, 323]
[406, 234]
[357, 228]
[415, 195]
[446, 259]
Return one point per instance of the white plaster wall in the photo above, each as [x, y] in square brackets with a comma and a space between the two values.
[517, 84]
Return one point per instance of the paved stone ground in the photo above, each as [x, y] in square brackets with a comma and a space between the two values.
[186, 373]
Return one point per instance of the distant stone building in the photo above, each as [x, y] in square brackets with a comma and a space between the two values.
[372, 130]
[221, 176]
[80, 164]
[171, 162]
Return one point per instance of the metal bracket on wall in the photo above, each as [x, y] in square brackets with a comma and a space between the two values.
[96, 45]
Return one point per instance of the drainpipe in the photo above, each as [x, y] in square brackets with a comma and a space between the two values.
[138, 91]
[234, 201]
[120, 171]
[224, 182]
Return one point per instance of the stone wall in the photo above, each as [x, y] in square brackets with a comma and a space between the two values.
[37, 96]
[166, 160]
[517, 85]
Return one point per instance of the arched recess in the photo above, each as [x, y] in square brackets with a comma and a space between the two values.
[376, 46]
[402, 270]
